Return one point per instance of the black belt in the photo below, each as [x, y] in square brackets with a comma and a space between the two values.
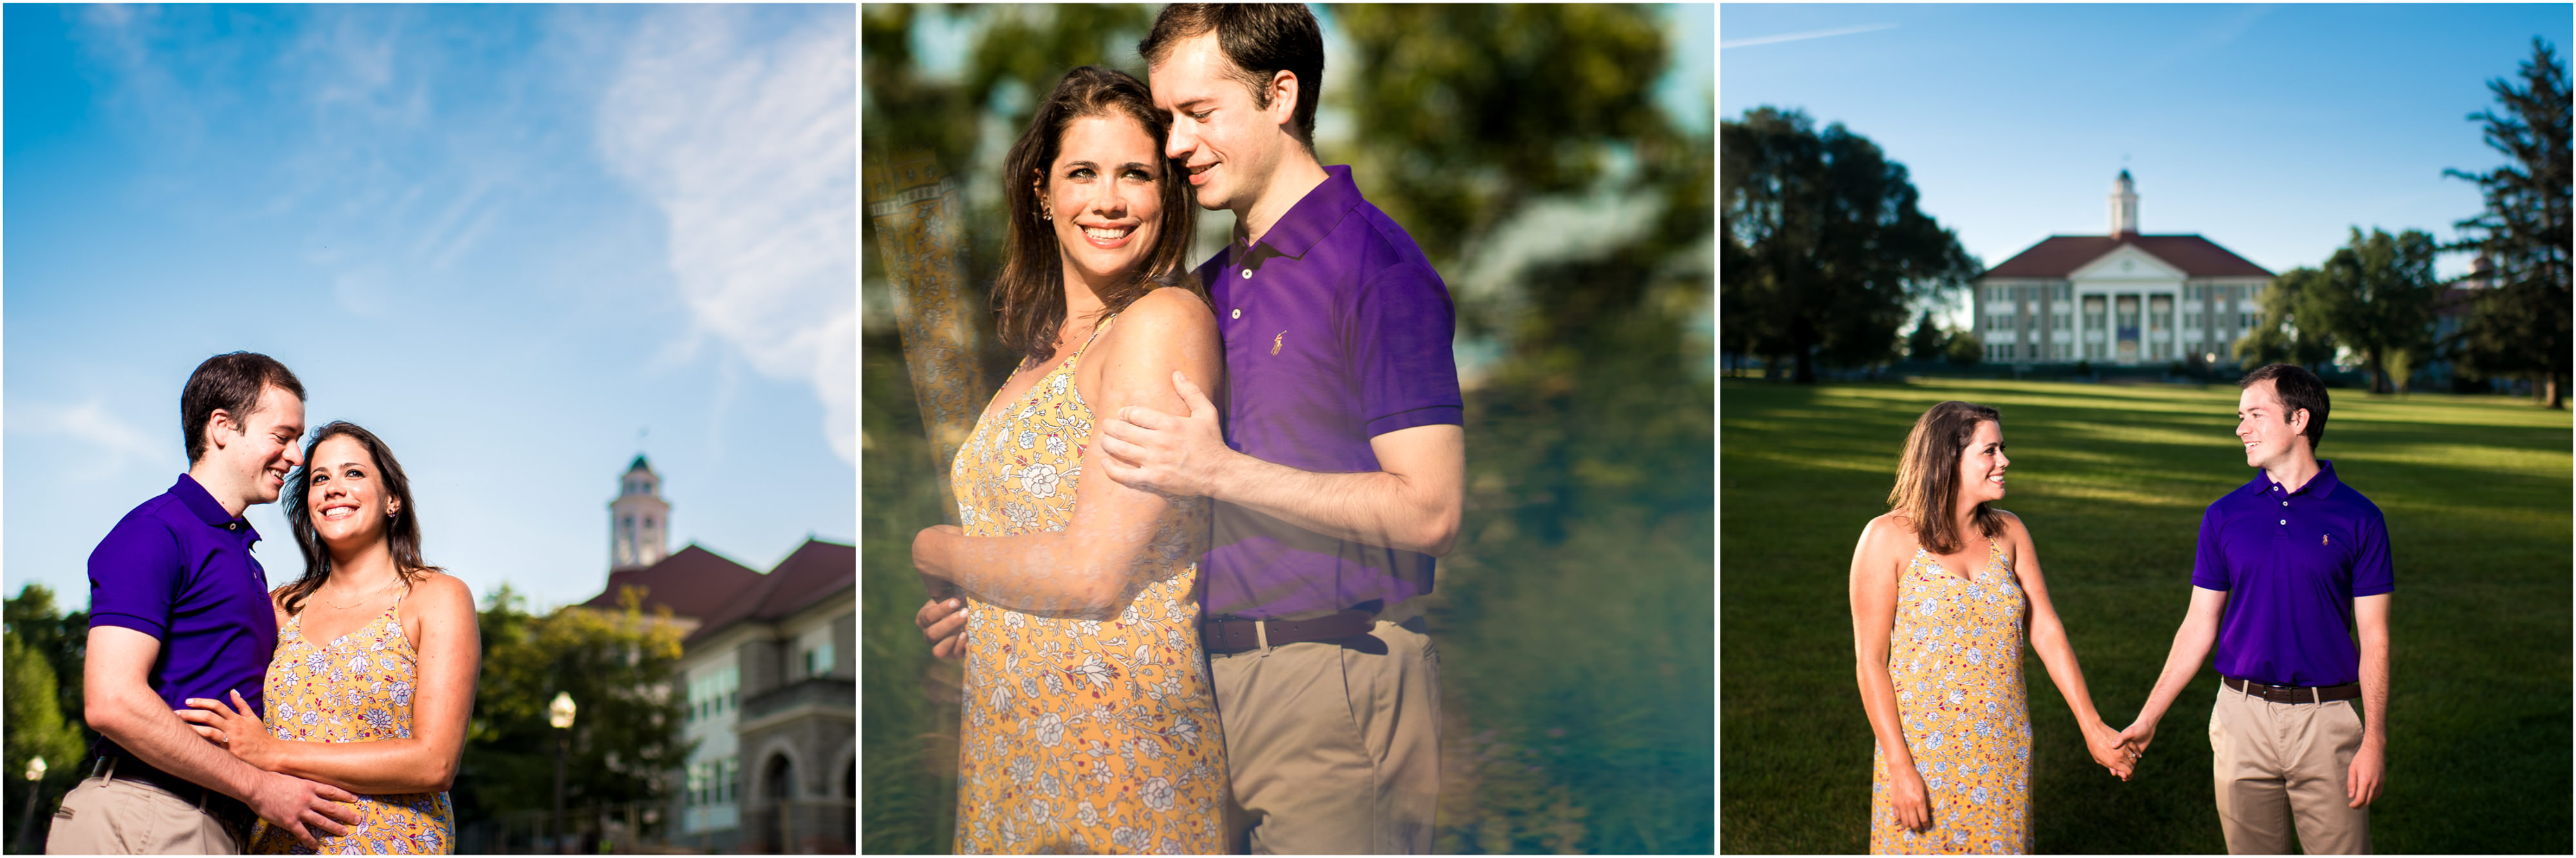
[117, 764]
[1222, 636]
[2292, 693]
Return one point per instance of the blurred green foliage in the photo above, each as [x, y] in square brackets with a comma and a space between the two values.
[617, 665]
[43, 703]
[1575, 617]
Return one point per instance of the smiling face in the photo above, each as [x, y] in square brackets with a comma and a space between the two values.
[1982, 464]
[345, 494]
[2265, 426]
[1230, 147]
[264, 450]
[1106, 194]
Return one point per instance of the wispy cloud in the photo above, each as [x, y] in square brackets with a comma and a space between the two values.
[748, 147]
[116, 440]
[1797, 37]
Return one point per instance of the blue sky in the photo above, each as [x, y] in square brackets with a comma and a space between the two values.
[522, 244]
[2269, 129]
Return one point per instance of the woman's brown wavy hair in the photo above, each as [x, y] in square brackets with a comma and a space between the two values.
[402, 533]
[1029, 297]
[1927, 478]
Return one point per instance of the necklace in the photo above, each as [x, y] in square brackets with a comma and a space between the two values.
[369, 597]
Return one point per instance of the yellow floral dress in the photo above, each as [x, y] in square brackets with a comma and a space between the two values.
[1081, 735]
[355, 688]
[1954, 657]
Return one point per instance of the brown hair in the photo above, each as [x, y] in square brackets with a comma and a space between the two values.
[2297, 388]
[232, 383]
[402, 533]
[1927, 478]
[1029, 297]
[1260, 40]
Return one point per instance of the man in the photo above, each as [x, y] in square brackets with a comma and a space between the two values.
[179, 609]
[1338, 471]
[2289, 566]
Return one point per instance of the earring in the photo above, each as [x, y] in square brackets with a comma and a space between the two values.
[1046, 212]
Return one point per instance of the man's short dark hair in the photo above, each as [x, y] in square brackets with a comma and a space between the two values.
[1261, 40]
[230, 382]
[2297, 388]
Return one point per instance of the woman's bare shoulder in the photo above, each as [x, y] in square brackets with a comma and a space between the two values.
[1167, 311]
[440, 593]
[1891, 529]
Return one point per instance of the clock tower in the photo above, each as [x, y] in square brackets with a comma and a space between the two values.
[638, 520]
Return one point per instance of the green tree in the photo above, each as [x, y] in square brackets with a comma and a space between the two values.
[2290, 327]
[40, 645]
[617, 665]
[1926, 343]
[1965, 349]
[1826, 244]
[2521, 325]
[2376, 297]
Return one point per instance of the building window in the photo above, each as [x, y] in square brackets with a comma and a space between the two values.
[818, 661]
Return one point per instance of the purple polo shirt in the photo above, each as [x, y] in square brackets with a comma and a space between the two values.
[1336, 331]
[179, 568]
[2291, 563]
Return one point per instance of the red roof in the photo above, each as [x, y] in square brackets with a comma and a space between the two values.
[694, 582]
[815, 571]
[2060, 255]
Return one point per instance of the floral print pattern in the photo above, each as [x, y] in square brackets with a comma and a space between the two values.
[1081, 735]
[1955, 659]
[355, 688]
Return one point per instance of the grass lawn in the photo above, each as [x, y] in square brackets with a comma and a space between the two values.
[2112, 482]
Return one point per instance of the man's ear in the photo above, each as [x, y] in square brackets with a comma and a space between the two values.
[217, 423]
[1284, 87]
[2298, 421]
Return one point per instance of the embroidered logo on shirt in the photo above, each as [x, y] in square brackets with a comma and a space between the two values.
[1276, 341]
[2321, 539]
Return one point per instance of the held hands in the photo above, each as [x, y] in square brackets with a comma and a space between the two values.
[1175, 455]
[942, 620]
[298, 806]
[2139, 734]
[2110, 748]
[232, 728]
[943, 624]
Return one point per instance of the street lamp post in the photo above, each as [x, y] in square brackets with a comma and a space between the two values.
[35, 789]
[559, 713]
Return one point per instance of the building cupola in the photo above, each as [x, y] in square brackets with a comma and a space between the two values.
[639, 520]
[2124, 206]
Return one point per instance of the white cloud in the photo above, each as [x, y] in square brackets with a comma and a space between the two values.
[117, 441]
[749, 147]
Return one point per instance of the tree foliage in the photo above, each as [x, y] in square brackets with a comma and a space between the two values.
[617, 665]
[1825, 245]
[2521, 325]
[2375, 296]
[2290, 327]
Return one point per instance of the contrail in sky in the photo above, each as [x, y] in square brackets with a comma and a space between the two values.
[1792, 37]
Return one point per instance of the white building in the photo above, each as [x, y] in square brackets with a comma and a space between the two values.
[2118, 299]
[769, 674]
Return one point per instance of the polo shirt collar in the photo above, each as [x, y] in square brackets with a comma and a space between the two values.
[2320, 486]
[1314, 217]
[199, 501]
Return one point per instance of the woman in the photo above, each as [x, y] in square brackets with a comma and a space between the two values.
[1090, 724]
[1944, 589]
[373, 679]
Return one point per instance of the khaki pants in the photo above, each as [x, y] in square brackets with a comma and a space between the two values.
[106, 816]
[2280, 766]
[1335, 749]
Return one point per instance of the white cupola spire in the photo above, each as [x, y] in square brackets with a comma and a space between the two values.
[2124, 206]
[638, 519]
